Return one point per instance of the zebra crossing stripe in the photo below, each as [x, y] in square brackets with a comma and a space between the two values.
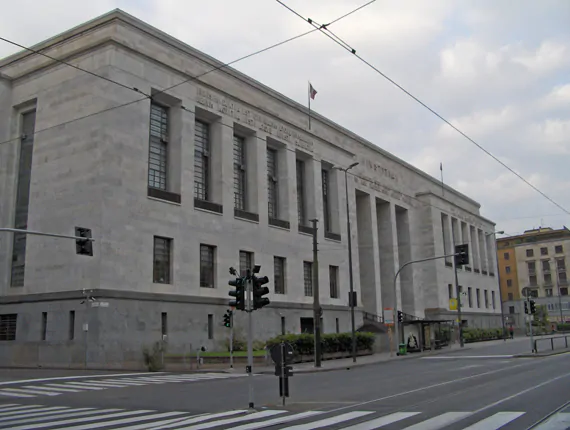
[382, 421]
[280, 420]
[38, 411]
[125, 421]
[26, 391]
[330, 421]
[14, 394]
[178, 421]
[248, 417]
[495, 421]
[440, 421]
[70, 413]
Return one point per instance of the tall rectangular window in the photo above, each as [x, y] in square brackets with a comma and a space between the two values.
[279, 275]
[71, 325]
[22, 199]
[210, 326]
[446, 236]
[478, 297]
[44, 326]
[158, 148]
[164, 324]
[333, 282]
[272, 184]
[283, 326]
[162, 260]
[486, 295]
[245, 261]
[301, 207]
[308, 278]
[201, 160]
[326, 200]
[207, 266]
[8, 324]
[469, 298]
[493, 299]
[240, 177]
[450, 290]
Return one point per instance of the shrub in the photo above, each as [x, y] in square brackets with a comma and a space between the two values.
[480, 334]
[303, 344]
[153, 357]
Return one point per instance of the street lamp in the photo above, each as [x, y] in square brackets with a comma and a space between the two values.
[351, 294]
[499, 279]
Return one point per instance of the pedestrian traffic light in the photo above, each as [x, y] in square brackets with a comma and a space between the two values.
[532, 307]
[461, 254]
[400, 316]
[526, 307]
[228, 318]
[238, 293]
[82, 246]
[258, 292]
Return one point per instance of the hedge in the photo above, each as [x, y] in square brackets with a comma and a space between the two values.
[563, 327]
[303, 344]
[480, 334]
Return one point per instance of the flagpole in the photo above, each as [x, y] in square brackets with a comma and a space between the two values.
[309, 98]
[441, 170]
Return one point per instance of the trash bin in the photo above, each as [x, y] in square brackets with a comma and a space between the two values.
[403, 349]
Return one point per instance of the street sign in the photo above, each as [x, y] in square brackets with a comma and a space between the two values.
[278, 353]
[452, 304]
[388, 316]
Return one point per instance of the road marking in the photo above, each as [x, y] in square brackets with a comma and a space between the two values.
[453, 357]
[248, 417]
[496, 421]
[23, 381]
[190, 420]
[41, 412]
[125, 421]
[78, 420]
[440, 421]
[559, 421]
[383, 421]
[46, 388]
[83, 385]
[14, 395]
[280, 420]
[330, 421]
[30, 411]
[76, 413]
[470, 366]
[23, 391]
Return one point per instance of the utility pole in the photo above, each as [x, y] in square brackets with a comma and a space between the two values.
[231, 339]
[316, 298]
[458, 293]
[529, 320]
[249, 292]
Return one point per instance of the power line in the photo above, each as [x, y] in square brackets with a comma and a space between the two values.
[192, 78]
[72, 65]
[344, 45]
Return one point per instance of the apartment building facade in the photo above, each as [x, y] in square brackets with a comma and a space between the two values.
[534, 264]
[178, 186]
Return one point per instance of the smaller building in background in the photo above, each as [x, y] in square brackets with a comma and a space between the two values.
[534, 263]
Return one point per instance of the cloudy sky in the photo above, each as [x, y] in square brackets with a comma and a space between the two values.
[499, 70]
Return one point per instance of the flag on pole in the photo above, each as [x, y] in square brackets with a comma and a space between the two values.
[312, 94]
[312, 91]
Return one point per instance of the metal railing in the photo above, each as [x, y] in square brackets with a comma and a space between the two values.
[556, 342]
[367, 316]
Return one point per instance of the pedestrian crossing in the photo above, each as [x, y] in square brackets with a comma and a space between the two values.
[32, 417]
[56, 388]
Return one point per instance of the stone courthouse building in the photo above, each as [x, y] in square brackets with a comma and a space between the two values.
[179, 186]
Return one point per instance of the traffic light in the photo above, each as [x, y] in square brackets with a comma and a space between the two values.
[258, 292]
[83, 247]
[228, 319]
[461, 254]
[532, 307]
[400, 316]
[238, 293]
[525, 307]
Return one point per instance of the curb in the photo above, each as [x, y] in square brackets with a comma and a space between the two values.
[542, 354]
[356, 365]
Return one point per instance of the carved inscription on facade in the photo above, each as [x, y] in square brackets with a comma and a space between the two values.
[378, 169]
[469, 219]
[252, 119]
[388, 192]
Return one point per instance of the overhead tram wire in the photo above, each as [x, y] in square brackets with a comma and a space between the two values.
[192, 78]
[324, 29]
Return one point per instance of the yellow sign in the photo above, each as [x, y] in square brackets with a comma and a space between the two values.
[452, 304]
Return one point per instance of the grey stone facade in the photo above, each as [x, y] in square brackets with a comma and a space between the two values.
[93, 172]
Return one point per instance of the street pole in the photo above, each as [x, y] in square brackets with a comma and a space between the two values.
[529, 321]
[499, 282]
[316, 297]
[559, 295]
[250, 337]
[231, 339]
[458, 293]
[351, 301]
[396, 328]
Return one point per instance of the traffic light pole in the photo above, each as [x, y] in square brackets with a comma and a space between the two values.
[316, 297]
[232, 340]
[395, 291]
[249, 302]
[530, 321]
[39, 233]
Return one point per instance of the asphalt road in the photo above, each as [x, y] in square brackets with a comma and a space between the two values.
[484, 388]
